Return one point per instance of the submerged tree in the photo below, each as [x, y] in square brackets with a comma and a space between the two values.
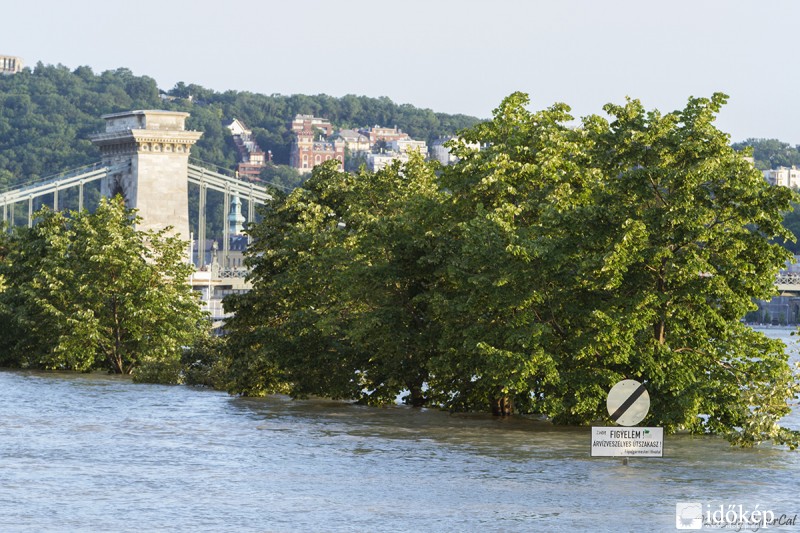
[681, 246]
[532, 276]
[338, 301]
[90, 291]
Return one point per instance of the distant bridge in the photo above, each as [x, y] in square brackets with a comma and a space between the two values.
[788, 283]
[146, 159]
[53, 188]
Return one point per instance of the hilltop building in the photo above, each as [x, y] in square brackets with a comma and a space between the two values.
[307, 152]
[405, 146]
[309, 123]
[387, 135]
[377, 161]
[315, 143]
[441, 153]
[395, 150]
[355, 141]
[783, 176]
[251, 157]
[10, 64]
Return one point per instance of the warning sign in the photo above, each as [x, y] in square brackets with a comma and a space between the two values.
[627, 442]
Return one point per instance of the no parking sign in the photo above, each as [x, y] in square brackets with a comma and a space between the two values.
[628, 403]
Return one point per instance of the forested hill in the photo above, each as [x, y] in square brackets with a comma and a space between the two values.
[771, 153]
[47, 114]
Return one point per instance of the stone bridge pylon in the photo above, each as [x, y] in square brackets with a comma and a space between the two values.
[149, 154]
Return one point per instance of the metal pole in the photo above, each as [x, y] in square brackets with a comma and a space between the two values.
[80, 195]
[12, 215]
[55, 198]
[251, 213]
[30, 211]
[249, 217]
[226, 231]
[201, 224]
[191, 253]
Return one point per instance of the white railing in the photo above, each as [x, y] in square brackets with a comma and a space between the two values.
[788, 278]
[228, 184]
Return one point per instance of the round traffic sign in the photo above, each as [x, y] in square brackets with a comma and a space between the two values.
[628, 402]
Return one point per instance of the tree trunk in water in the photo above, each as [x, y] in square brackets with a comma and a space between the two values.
[503, 406]
[116, 358]
[416, 397]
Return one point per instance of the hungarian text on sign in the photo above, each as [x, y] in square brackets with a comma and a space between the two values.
[627, 442]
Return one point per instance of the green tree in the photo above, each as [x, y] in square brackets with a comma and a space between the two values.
[338, 304]
[282, 177]
[532, 276]
[284, 335]
[393, 216]
[791, 221]
[90, 291]
[679, 248]
[502, 300]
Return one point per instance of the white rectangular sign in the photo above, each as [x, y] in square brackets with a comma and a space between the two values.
[627, 442]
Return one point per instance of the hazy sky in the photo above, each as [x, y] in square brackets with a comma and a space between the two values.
[453, 56]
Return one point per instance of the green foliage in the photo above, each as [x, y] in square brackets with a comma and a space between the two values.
[683, 233]
[47, 114]
[791, 221]
[280, 334]
[282, 177]
[338, 306]
[205, 363]
[770, 153]
[89, 291]
[531, 276]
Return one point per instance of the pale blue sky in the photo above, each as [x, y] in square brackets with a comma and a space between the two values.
[454, 56]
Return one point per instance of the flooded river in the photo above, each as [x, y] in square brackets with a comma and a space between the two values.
[98, 453]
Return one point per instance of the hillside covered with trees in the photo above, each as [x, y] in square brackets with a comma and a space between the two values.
[770, 153]
[49, 111]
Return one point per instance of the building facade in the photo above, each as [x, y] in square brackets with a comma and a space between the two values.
[784, 177]
[355, 141]
[310, 122]
[10, 64]
[387, 135]
[405, 146]
[307, 151]
[252, 158]
[441, 153]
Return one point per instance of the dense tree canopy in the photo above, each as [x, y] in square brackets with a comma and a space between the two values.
[770, 153]
[531, 276]
[89, 291]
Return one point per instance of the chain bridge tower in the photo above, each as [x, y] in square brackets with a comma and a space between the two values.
[149, 151]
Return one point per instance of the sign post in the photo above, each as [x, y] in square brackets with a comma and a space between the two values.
[627, 404]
